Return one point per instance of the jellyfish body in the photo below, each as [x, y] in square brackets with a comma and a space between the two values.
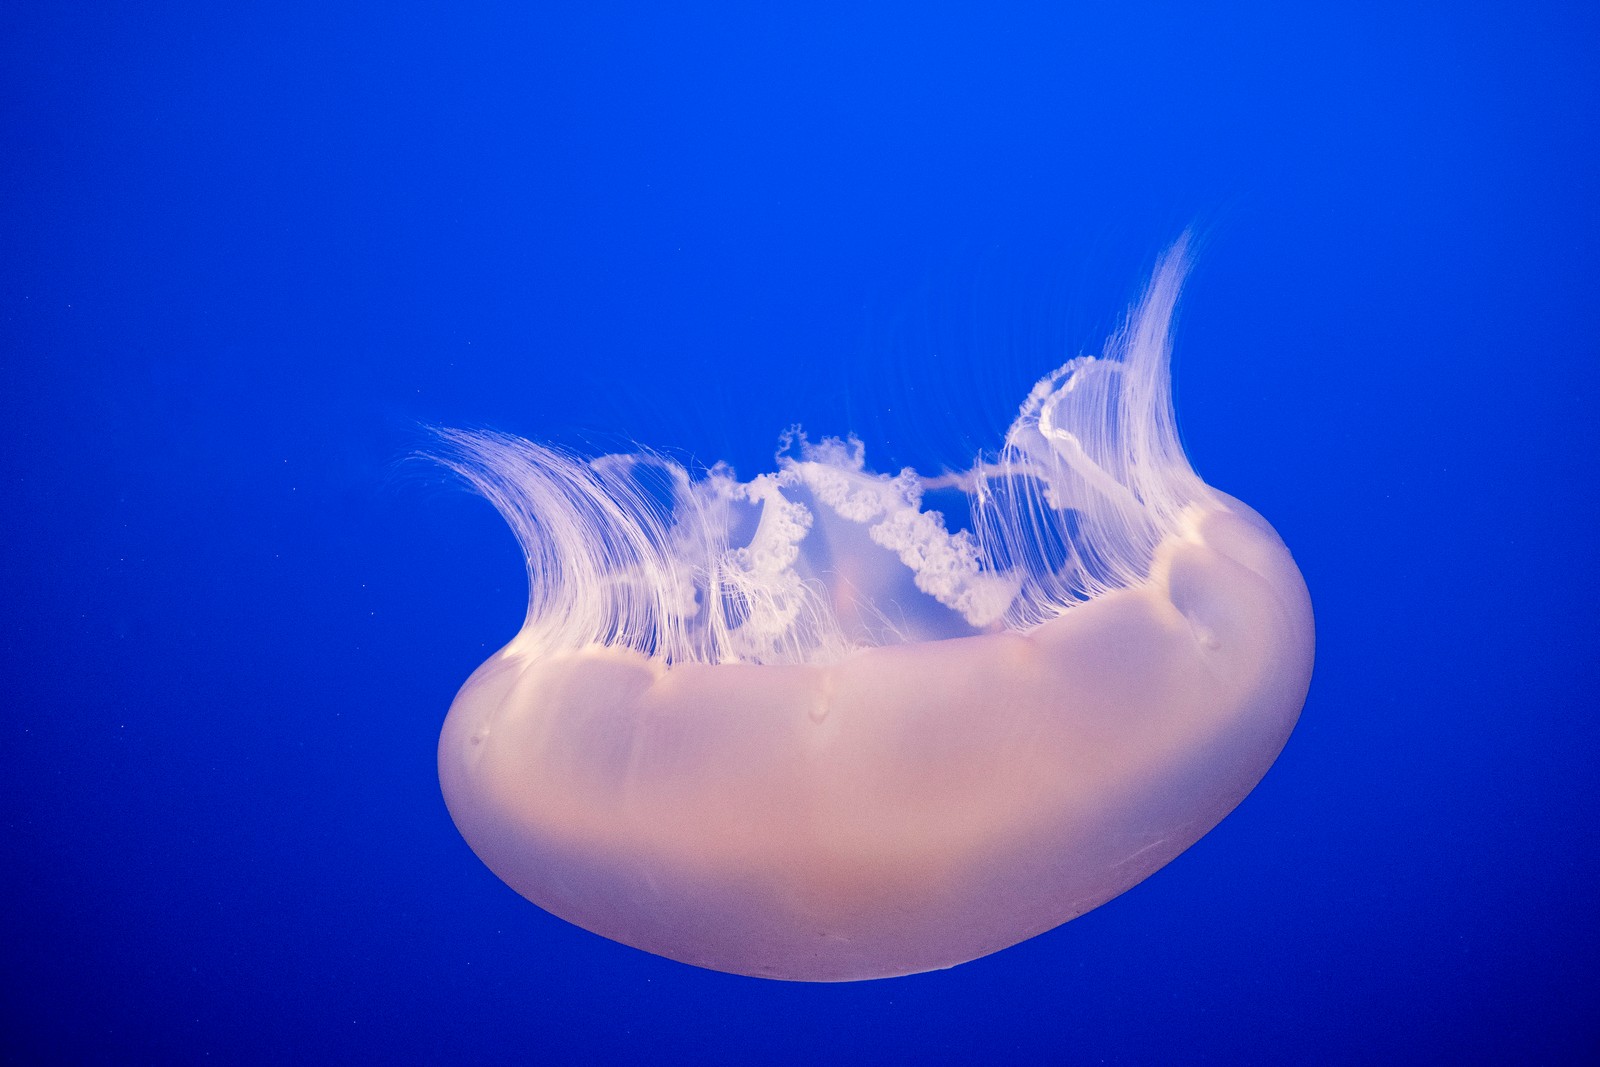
[799, 728]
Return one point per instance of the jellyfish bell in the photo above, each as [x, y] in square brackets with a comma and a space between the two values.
[799, 727]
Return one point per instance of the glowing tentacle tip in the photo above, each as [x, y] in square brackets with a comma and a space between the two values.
[799, 727]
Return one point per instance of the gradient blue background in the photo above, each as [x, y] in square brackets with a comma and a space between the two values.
[249, 248]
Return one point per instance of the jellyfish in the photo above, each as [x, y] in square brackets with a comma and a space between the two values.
[809, 726]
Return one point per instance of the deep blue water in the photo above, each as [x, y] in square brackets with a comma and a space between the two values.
[248, 250]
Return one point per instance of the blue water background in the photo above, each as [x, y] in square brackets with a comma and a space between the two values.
[247, 250]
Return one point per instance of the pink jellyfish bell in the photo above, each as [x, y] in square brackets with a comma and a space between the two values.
[797, 727]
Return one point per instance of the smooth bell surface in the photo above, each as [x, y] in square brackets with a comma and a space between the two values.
[906, 808]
